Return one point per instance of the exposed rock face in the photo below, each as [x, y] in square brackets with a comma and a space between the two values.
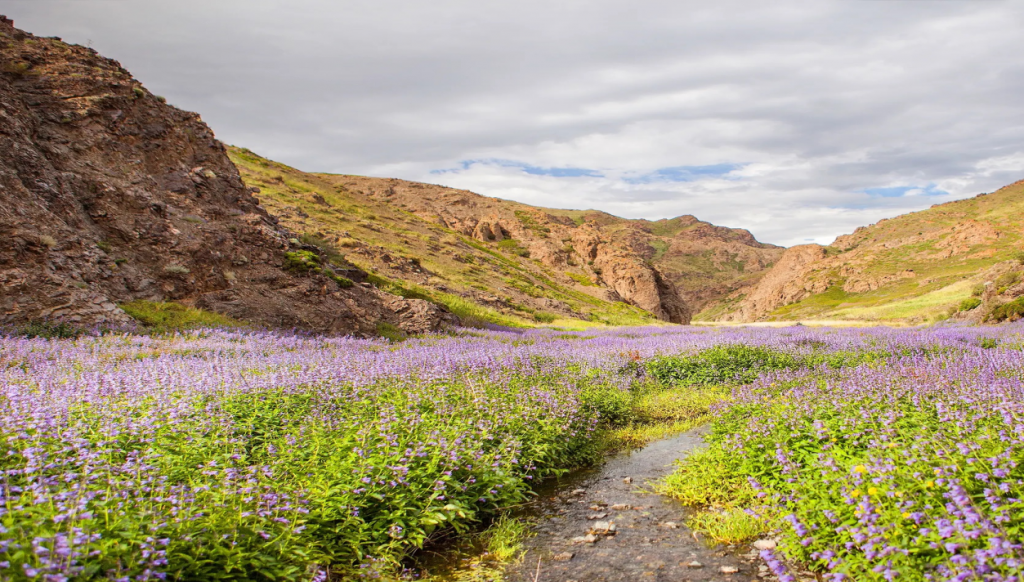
[705, 261]
[630, 279]
[785, 283]
[556, 242]
[417, 316]
[1001, 283]
[908, 256]
[107, 195]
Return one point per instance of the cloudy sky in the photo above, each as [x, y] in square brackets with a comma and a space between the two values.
[799, 120]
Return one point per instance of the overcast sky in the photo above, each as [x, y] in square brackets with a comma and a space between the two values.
[799, 120]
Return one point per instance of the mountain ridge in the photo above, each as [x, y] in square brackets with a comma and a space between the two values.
[917, 267]
[547, 258]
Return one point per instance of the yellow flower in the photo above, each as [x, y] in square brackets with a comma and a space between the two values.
[929, 484]
[906, 515]
[899, 494]
[872, 490]
[892, 445]
[855, 493]
[860, 469]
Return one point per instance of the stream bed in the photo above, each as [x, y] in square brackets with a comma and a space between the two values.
[606, 524]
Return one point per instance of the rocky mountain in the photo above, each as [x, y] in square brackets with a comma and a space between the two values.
[519, 260]
[914, 268]
[108, 195]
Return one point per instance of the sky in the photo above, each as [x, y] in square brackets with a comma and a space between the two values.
[797, 120]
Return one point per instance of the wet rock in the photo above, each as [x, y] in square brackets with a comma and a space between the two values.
[728, 569]
[587, 539]
[597, 516]
[606, 528]
[627, 480]
[694, 564]
[563, 557]
[670, 525]
[765, 544]
[621, 507]
[578, 492]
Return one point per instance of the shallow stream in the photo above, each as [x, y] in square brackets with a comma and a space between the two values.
[572, 517]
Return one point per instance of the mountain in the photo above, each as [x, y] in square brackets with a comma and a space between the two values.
[915, 268]
[108, 195]
[522, 261]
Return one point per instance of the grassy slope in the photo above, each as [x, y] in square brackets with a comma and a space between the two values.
[916, 242]
[458, 269]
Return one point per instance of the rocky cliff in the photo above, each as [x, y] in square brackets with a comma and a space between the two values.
[108, 194]
[557, 242]
[913, 268]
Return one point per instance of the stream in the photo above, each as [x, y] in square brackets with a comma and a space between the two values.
[605, 524]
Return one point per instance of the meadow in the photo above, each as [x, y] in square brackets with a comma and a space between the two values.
[230, 455]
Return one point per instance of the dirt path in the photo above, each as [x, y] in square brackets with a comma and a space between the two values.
[649, 542]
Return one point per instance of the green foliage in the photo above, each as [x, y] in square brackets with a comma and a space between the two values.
[343, 282]
[104, 246]
[50, 330]
[1011, 311]
[1007, 279]
[978, 290]
[512, 246]
[331, 250]
[543, 317]
[17, 67]
[582, 279]
[531, 223]
[469, 313]
[166, 317]
[301, 262]
[969, 304]
[390, 332]
[505, 537]
[731, 525]
[725, 364]
[709, 477]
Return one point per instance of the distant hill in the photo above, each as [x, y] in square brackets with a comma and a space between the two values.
[530, 263]
[915, 268]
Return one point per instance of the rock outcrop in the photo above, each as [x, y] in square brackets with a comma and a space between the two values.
[897, 259]
[785, 283]
[108, 194]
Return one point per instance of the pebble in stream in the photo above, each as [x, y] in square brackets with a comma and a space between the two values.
[638, 537]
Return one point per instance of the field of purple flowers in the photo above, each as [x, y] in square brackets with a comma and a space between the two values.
[220, 455]
[910, 467]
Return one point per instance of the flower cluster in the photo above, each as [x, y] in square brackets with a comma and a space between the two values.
[910, 467]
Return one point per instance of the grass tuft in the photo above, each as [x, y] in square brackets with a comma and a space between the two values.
[169, 317]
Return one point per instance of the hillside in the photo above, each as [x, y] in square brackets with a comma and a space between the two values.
[914, 268]
[109, 196]
[524, 262]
